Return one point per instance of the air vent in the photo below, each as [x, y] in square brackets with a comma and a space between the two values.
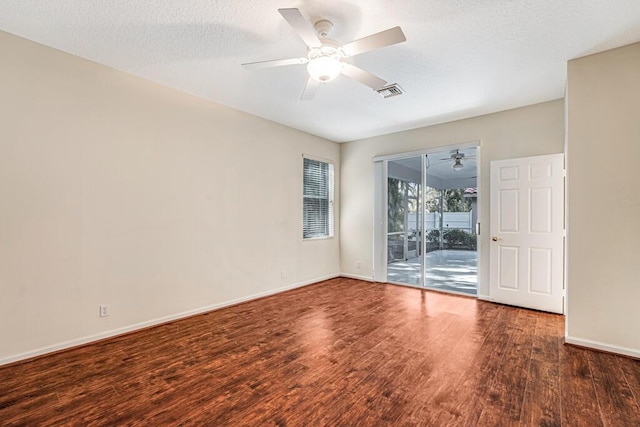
[389, 91]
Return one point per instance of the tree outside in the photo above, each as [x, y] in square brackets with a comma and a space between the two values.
[395, 205]
[453, 200]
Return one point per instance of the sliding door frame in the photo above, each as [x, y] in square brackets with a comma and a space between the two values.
[380, 220]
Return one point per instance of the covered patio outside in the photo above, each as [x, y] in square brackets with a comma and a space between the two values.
[447, 270]
[447, 209]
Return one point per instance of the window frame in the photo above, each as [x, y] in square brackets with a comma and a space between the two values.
[330, 185]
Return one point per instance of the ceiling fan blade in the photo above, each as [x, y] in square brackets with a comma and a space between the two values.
[301, 26]
[310, 89]
[375, 41]
[275, 63]
[364, 77]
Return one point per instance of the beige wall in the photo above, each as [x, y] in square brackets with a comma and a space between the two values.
[603, 256]
[115, 190]
[529, 131]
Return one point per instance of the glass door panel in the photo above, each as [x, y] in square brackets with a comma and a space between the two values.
[450, 209]
[404, 221]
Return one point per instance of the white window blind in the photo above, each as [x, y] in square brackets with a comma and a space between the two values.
[317, 199]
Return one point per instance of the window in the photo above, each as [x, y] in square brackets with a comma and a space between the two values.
[317, 199]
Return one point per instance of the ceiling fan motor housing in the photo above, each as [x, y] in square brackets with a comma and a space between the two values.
[323, 27]
[456, 157]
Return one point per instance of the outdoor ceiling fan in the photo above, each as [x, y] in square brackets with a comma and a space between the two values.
[326, 58]
[457, 160]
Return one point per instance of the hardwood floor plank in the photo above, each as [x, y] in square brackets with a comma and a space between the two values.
[542, 403]
[631, 371]
[579, 400]
[618, 406]
[506, 394]
[341, 352]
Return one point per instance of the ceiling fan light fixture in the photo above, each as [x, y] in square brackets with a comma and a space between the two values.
[324, 68]
[457, 165]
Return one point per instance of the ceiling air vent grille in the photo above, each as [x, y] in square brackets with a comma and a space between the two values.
[389, 91]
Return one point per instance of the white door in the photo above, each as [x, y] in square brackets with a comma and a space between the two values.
[527, 237]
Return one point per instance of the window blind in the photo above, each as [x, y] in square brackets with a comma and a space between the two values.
[317, 199]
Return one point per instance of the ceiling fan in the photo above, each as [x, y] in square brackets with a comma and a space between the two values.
[326, 58]
[456, 157]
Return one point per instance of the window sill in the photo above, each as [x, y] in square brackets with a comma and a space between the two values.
[310, 239]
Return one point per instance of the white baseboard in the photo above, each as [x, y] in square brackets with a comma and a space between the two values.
[131, 328]
[355, 276]
[602, 346]
[485, 298]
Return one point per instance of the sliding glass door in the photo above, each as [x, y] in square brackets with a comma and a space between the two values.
[431, 221]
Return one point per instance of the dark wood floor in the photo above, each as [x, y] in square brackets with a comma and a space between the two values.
[340, 353]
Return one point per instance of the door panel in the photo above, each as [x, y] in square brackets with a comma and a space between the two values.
[540, 271]
[540, 210]
[509, 206]
[527, 243]
[508, 267]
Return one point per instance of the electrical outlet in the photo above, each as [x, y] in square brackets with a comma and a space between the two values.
[358, 265]
[104, 310]
[283, 274]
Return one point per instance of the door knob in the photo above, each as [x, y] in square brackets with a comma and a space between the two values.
[494, 238]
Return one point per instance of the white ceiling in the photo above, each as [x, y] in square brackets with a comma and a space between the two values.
[462, 58]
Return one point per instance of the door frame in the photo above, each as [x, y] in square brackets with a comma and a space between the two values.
[380, 169]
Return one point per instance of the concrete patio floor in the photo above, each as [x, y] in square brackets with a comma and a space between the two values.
[446, 270]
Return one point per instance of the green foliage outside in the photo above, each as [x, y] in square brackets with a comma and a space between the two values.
[457, 238]
[453, 238]
[397, 194]
[395, 205]
[433, 236]
[452, 200]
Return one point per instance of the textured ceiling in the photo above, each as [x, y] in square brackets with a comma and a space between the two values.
[462, 58]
